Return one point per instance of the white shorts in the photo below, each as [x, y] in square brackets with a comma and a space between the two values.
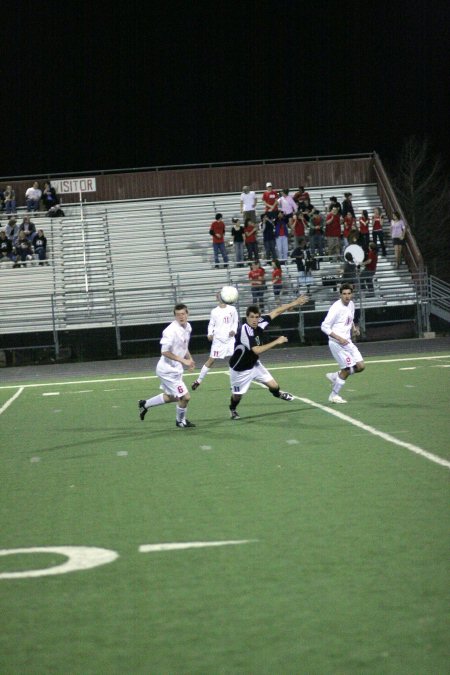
[346, 355]
[240, 380]
[172, 384]
[221, 350]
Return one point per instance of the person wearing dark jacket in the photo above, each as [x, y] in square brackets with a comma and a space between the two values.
[40, 246]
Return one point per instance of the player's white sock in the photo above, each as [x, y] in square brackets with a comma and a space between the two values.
[338, 384]
[203, 373]
[155, 400]
[181, 413]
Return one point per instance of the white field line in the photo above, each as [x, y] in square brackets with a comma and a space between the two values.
[217, 372]
[11, 400]
[152, 548]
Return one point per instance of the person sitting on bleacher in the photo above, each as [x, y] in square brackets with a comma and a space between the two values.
[29, 228]
[6, 247]
[9, 199]
[55, 212]
[12, 230]
[40, 247]
[33, 197]
[24, 250]
[49, 197]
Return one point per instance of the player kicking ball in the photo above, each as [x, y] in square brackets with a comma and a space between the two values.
[339, 326]
[174, 356]
[245, 366]
[222, 328]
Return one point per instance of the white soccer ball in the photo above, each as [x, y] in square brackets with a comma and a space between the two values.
[229, 295]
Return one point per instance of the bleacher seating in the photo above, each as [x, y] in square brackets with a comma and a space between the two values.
[127, 263]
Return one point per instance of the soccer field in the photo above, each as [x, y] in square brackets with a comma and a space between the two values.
[303, 538]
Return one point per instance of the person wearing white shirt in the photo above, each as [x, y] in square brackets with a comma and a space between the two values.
[33, 196]
[222, 328]
[248, 204]
[174, 356]
[339, 326]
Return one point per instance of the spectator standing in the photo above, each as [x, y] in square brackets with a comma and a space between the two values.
[12, 230]
[377, 229]
[237, 232]
[333, 231]
[49, 197]
[9, 198]
[277, 280]
[370, 267]
[251, 241]
[269, 241]
[301, 198]
[299, 228]
[348, 223]
[287, 206]
[217, 232]
[282, 237]
[334, 204]
[364, 236]
[316, 233]
[270, 201]
[248, 204]
[33, 196]
[6, 247]
[347, 206]
[398, 232]
[257, 283]
[40, 247]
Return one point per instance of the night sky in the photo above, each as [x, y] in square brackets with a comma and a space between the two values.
[87, 87]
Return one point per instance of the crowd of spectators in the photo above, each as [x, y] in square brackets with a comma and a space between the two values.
[39, 199]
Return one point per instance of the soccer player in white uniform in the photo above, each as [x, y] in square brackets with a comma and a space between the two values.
[245, 366]
[222, 328]
[174, 356]
[339, 326]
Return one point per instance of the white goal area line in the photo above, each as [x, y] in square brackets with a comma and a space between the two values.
[6, 405]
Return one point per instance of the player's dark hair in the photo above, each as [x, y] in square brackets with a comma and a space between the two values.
[346, 287]
[180, 306]
[253, 309]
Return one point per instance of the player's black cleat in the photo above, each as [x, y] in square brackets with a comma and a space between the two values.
[185, 424]
[234, 415]
[286, 396]
[142, 409]
[195, 385]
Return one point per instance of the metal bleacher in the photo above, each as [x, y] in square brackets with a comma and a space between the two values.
[126, 263]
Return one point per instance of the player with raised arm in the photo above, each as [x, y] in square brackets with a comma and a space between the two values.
[339, 325]
[222, 328]
[245, 366]
[174, 356]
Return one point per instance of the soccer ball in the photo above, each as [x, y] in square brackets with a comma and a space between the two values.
[229, 295]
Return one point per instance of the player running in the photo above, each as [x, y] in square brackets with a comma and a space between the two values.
[174, 355]
[222, 328]
[245, 366]
[339, 326]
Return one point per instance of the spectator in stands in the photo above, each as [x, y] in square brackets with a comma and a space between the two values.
[348, 223]
[237, 232]
[287, 206]
[301, 198]
[299, 228]
[333, 231]
[277, 280]
[250, 238]
[12, 230]
[282, 237]
[268, 228]
[248, 204]
[33, 196]
[49, 197]
[257, 283]
[347, 206]
[55, 212]
[350, 270]
[6, 247]
[364, 236]
[353, 235]
[377, 229]
[316, 242]
[29, 228]
[24, 249]
[270, 201]
[40, 247]
[369, 268]
[217, 232]
[334, 204]
[9, 199]
[398, 232]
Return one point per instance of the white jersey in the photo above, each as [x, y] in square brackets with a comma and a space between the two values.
[339, 320]
[222, 321]
[175, 339]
